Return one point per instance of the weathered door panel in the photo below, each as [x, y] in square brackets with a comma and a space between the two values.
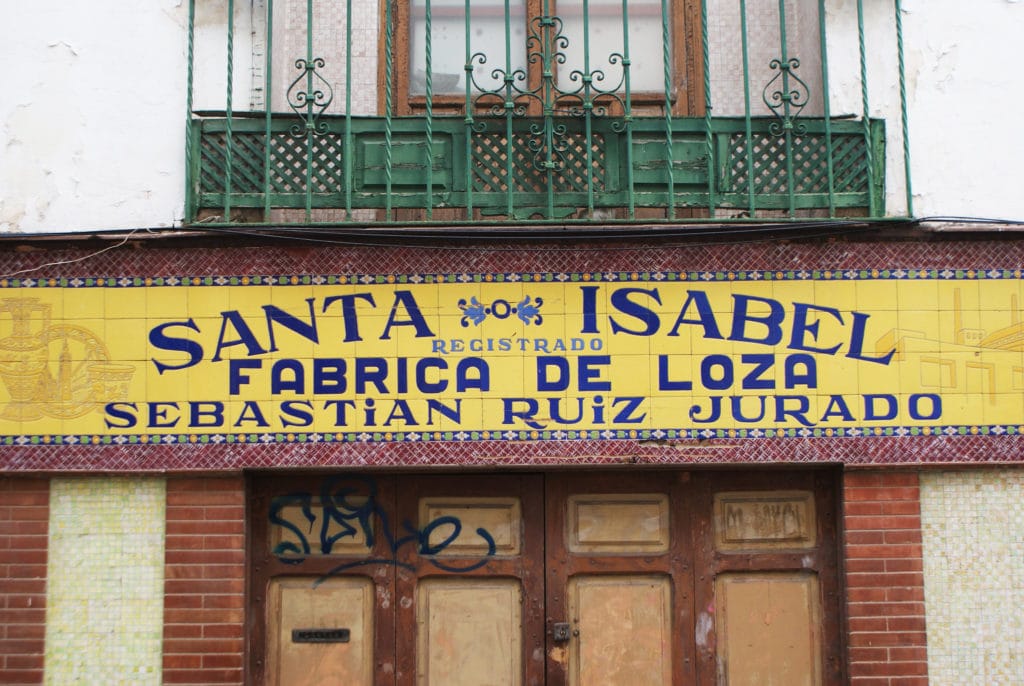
[469, 632]
[470, 597]
[320, 633]
[621, 627]
[316, 543]
[768, 629]
[619, 580]
[767, 592]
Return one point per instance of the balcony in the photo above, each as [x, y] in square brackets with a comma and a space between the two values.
[521, 111]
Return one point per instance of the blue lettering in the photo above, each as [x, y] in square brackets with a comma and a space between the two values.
[705, 315]
[296, 413]
[915, 406]
[236, 379]
[621, 301]
[772, 321]
[122, 413]
[415, 317]
[871, 412]
[213, 414]
[348, 312]
[159, 339]
[290, 321]
[279, 381]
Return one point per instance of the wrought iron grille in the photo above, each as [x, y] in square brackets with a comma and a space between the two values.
[555, 129]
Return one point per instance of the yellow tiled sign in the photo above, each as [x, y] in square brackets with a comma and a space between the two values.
[531, 358]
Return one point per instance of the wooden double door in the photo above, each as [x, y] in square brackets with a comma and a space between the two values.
[608, 578]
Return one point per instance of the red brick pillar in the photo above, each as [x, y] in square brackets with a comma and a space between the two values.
[24, 531]
[204, 587]
[884, 579]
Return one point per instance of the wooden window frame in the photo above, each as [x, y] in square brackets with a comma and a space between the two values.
[687, 95]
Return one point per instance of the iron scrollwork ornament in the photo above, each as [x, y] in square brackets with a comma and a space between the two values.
[311, 102]
[786, 95]
[587, 94]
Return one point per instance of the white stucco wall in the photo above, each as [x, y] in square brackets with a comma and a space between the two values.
[90, 114]
[965, 91]
[92, 108]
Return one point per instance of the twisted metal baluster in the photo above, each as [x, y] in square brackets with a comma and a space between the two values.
[389, 66]
[708, 137]
[588, 107]
[229, 152]
[509, 109]
[748, 133]
[669, 163]
[468, 120]
[866, 116]
[190, 176]
[267, 129]
[903, 107]
[827, 111]
[348, 110]
[627, 109]
[548, 76]
[430, 116]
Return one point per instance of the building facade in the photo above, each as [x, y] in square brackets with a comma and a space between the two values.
[513, 343]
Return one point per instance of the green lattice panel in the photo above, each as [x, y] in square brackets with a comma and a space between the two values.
[288, 163]
[490, 155]
[246, 163]
[810, 164]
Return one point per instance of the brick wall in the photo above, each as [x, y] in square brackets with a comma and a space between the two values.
[884, 579]
[204, 581]
[24, 519]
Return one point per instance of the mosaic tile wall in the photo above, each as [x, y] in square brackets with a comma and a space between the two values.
[105, 581]
[973, 530]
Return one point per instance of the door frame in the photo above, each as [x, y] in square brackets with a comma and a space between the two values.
[693, 562]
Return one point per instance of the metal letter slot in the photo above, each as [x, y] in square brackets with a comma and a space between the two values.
[320, 635]
[560, 632]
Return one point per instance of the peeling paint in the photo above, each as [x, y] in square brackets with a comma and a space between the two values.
[704, 625]
[71, 49]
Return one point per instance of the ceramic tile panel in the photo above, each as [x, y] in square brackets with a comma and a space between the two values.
[105, 581]
[866, 271]
[973, 532]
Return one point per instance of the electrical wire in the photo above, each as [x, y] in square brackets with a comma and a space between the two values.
[59, 263]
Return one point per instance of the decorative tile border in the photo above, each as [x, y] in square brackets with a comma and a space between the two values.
[911, 274]
[367, 437]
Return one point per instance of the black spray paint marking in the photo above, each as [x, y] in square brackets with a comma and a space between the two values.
[350, 502]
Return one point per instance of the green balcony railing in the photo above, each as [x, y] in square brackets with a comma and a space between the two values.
[509, 110]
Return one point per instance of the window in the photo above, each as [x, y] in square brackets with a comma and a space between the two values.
[520, 39]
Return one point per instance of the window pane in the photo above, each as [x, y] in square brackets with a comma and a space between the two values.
[646, 72]
[448, 43]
